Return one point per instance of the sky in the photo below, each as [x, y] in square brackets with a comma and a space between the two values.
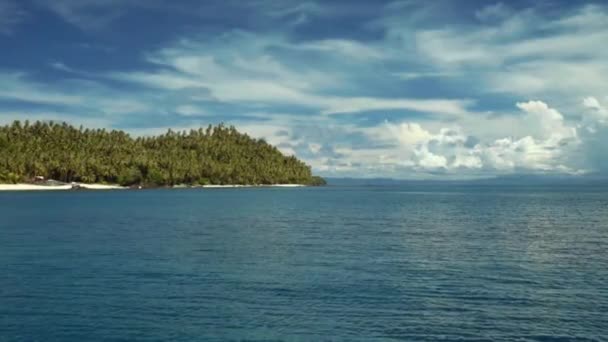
[402, 89]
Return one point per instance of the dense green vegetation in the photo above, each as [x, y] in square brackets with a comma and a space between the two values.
[216, 155]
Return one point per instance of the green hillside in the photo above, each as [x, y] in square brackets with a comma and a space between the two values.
[215, 155]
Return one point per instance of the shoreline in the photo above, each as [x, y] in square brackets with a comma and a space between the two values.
[62, 187]
[247, 186]
[95, 186]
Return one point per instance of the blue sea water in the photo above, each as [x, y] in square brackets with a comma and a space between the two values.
[306, 264]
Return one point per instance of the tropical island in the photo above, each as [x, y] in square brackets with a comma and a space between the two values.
[215, 156]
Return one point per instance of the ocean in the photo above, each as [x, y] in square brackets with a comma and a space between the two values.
[338, 263]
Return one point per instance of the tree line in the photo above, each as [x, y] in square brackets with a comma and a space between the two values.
[215, 155]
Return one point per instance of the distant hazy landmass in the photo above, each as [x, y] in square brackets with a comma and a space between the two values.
[506, 180]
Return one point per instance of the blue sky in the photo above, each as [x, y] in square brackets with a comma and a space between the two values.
[403, 89]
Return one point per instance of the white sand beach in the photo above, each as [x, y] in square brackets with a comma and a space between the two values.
[100, 186]
[32, 187]
[87, 186]
[62, 187]
[288, 185]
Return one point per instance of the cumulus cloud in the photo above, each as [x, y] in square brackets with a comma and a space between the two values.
[550, 144]
[450, 149]
[429, 160]
[547, 122]
[410, 134]
[592, 102]
[594, 134]
[596, 113]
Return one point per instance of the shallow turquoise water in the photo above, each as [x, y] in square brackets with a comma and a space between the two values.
[311, 264]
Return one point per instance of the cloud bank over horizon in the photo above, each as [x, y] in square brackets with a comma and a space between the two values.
[402, 89]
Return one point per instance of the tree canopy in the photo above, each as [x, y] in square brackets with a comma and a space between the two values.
[215, 155]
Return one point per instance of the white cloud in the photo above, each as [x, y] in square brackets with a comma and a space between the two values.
[549, 144]
[314, 148]
[452, 150]
[162, 80]
[14, 86]
[410, 150]
[492, 12]
[282, 9]
[410, 134]
[335, 105]
[90, 98]
[586, 17]
[89, 14]
[118, 105]
[497, 45]
[188, 110]
[523, 52]
[547, 122]
[468, 160]
[592, 103]
[546, 149]
[61, 67]
[558, 80]
[429, 160]
[7, 117]
[413, 75]
[346, 48]
[251, 75]
[595, 114]
[597, 111]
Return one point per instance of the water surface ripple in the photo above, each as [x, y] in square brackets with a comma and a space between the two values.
[313, 264]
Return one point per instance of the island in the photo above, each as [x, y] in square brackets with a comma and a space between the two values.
[215, 156]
